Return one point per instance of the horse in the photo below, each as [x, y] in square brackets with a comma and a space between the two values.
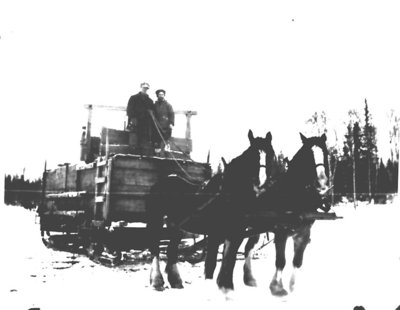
[234, 179]
[300, 189]
[178, 199]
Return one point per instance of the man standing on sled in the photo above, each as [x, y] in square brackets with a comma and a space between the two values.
[165, 121]
[140, 123]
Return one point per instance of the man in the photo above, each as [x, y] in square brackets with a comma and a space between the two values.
[165, 120]
[139, 119]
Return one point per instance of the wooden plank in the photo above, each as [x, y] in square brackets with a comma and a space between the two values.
[176, 155]
[128, 205]
[100, 180]
[68, 203]
[116, 149]
[101, 163]
[99, 199]
[135, 162]
[67, 194]
[181, 144]
[84, 166]
[114, 136]
[71, 213]
[86, 180]
[129, 189]
[123, 108]
[72, 178]
[55, 180]
[130, 217]
[134, 177]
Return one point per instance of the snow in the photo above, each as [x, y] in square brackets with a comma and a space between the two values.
[349, 262]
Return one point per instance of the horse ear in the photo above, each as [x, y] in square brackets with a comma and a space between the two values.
[250, 135]
[303, 138]
[323, 137]
[224, 162]
[268, 136]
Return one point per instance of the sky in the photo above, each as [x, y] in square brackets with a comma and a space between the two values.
[260, 65]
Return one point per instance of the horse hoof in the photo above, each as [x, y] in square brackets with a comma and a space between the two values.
[158, 288]
[227, 293]
[174, 278]
[250, 282]
[277, 289]
[177, 285]
[157, 283]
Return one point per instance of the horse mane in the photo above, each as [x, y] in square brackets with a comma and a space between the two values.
[238, 161]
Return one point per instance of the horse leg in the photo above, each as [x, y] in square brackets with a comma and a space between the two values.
[154, 230]
[213, 242]
[171, 269]
[300, 241]
[248, 277]
[224, 280]
[276, 285]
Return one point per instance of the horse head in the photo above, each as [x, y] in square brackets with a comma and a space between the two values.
[249, 170]
[313, 163]
[266, 155]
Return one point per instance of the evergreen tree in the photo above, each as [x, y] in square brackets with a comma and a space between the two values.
[370, 151]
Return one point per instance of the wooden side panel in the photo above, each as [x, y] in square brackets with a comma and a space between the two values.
[55, 180]
[181, 145]
[133, 177]
[197, 172]
[116, 149]
[72, 178]
[114, 136]
[129, 210]
[135, 162]
[129, 189]
[67, 204]
[86, 180]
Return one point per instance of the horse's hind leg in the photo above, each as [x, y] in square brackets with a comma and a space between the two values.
[248, 277]
[171, 269]
[300, 241]
[213, 243]
[276, 285]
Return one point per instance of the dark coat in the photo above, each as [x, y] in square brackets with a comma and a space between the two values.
[138, 105]
[164, 114]
[139, 118]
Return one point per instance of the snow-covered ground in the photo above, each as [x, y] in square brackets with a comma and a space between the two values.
[349, 262]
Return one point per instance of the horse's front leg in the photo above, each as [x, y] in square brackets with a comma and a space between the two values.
[154, 230]
[156, 278]
[171, 269]
[248, 277]
[213, 242]
[276, 285]
[225, 276]
[300, 242]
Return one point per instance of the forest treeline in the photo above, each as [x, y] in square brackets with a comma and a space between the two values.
[357, 171]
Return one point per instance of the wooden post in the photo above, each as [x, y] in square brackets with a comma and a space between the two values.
[44, 182]
[66, 176]
[189, 114]
[107, 145]
[89, 131]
